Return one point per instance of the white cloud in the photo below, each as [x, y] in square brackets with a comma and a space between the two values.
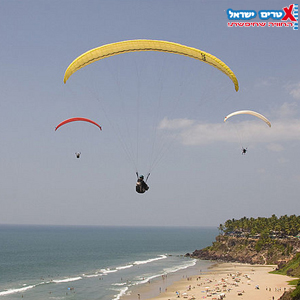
[189, 132]
[285, 127]
[175, 123]
[261, 171]
[275, 147]
[294, 90]
[286, 110]
[283, 160]
[288, 130]
[266, 82]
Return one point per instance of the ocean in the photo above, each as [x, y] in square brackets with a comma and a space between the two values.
[107, 263]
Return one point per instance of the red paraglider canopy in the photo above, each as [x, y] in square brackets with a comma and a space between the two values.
[77, 119]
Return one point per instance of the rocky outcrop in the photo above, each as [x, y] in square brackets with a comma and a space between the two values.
[286, 296]
[247, 250]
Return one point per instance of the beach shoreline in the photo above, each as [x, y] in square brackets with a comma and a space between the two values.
[227, 280]
[158, 285]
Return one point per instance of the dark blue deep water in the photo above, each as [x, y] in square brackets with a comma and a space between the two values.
[53, 262]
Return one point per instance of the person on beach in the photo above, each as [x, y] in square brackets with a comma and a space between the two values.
[141, 185]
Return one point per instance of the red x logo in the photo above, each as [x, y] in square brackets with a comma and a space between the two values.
[288, 14]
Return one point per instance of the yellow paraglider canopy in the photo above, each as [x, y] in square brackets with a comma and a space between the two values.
[147, 45]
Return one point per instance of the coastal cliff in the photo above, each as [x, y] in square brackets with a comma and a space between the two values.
[262, 240]
[266, 241]
[250, 250]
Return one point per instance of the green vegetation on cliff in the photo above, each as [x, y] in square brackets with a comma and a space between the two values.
[273, 226]
[260, 250]
[257, 241]
[260, 241]
[291, 268]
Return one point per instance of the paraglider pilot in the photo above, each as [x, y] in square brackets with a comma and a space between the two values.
[141, 185]
[244, 150]
[78, 154]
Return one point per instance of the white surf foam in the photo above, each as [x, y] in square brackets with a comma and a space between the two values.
[142, 262]
[122, 292]
[124, 267]
[67, 279]
[13, 291]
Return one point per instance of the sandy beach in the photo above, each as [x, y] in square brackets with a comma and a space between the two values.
[229, 281]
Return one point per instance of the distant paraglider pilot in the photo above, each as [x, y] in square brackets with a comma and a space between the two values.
[141, 185]
[78, 154]
[244, 151]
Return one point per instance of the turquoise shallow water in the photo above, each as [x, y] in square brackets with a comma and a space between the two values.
[53, 262]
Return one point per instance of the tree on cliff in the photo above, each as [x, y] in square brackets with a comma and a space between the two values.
[283, 226]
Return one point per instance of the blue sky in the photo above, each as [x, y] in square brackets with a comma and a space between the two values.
[202, 179]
